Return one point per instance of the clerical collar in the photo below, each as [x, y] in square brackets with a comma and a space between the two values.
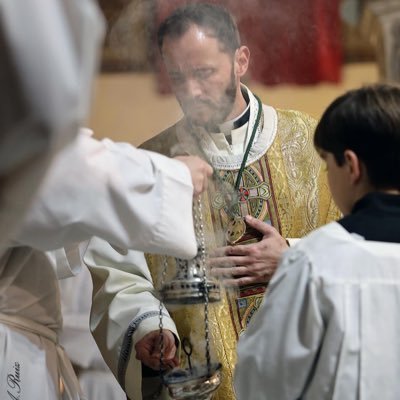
[228, 126]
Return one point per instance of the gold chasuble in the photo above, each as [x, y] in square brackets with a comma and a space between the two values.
[283, 184]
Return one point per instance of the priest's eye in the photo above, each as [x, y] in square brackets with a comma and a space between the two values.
[177, 79]
[203, 73]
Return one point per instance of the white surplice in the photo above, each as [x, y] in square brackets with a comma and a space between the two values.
[93, 188]
[114, 191]
[96, 380]
[49, 53]
[33, 364]
[328, 325]
[125, 309]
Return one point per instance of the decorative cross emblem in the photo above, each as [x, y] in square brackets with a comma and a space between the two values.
[243, 194]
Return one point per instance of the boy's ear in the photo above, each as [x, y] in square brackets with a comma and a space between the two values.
[354, 166]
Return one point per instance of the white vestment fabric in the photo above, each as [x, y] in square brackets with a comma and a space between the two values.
[125, 309]
[49, 54]
[114, 191]
[328, 325]
[33, 364]
[30, 314]
[95, 378]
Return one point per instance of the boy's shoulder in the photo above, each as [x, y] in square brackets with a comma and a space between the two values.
[334, 253]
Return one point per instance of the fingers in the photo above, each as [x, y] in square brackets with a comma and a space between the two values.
[148, 350]
[247, 280]
[229, 272]
[238, 250]
[169, 351]
[219, 251]
[259, 225]
[257, 273]
[241, 276]
[232, 261]
[200, 171]
[154, 363]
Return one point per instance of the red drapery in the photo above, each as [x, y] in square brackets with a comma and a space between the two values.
[291, 41]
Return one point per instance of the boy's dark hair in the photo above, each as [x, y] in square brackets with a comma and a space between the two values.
[366, 121]
[218, 22]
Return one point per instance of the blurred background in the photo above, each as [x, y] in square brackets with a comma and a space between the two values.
[304, 53]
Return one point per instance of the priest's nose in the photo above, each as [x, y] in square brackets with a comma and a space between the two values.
[193, 88]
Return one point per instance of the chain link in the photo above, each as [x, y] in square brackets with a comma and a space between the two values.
[200, 234]
[160, 316]
[199, 231]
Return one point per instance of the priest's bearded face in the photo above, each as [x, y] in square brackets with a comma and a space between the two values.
[202, 76]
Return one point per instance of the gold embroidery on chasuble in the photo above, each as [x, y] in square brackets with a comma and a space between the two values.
[255, 197]
[300, 185]
[285, 187]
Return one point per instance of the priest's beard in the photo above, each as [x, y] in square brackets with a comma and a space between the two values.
[217, 111]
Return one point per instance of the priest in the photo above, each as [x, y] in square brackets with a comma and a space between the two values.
[264, 162]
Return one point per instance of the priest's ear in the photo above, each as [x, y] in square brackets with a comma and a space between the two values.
[242, 57]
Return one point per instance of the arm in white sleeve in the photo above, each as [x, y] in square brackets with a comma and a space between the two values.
[277, 352]
[124, 310]
[49, 54]
[132, 198]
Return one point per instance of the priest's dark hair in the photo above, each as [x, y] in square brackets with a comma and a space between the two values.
[216, 20]
[366, 121]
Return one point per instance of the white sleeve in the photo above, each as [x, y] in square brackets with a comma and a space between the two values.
[124, 310]
[49, 54]
[132, 198]
[277, 351]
